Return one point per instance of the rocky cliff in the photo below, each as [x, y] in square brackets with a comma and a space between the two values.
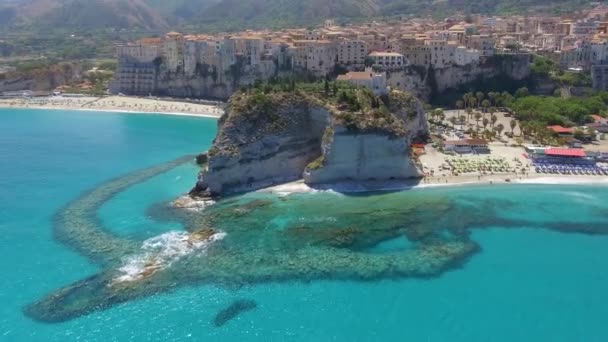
[268, 139]
[423, 83]
[43, 78]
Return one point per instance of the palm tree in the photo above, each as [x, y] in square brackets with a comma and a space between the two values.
[499, 128]
[477, 118]
[493, 120]
[492, 96]
[452, 120]
[439, 113]
[485, 123]
[485, 104]
[459, 105]
[469, 96]
[513, 124]
[462, 120]
[469, 113]
[480, 96]
[472, 102]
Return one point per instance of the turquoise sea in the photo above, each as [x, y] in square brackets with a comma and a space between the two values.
[501, 263]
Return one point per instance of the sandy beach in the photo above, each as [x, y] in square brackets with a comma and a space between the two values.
[301, 187]
[123, 104]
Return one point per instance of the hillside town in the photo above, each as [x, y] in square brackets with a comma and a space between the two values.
[577, 44]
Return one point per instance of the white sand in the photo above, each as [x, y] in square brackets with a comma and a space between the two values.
[301, 187]
[122, 104]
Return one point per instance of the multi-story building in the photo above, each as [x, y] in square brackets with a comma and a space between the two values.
[352, 52]
[387, 60]
[316, 56]
[173, 51]
[482, 42]
[464, 56]
[599, 76]
[143, 51]
[442, 54]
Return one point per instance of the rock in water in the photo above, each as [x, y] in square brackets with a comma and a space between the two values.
[236, 308]
[279, 137]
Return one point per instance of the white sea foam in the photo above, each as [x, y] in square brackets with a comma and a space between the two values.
[161, 252]
[580, 195]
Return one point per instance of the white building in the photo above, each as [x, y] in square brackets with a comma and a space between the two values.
[464, 56]
[352, 52]
[388, 60]
[374, 81]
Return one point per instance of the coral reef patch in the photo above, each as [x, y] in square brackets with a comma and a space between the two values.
[262, 237]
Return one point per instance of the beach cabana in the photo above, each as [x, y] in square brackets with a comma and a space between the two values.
[565, 153]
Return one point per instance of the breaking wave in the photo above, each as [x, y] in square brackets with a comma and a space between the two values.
[161, 252]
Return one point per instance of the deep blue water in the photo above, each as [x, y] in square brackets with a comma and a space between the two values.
[526, 284]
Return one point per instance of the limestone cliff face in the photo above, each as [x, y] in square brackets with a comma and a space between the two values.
[263, 143]
[417, 82]
[264, 140]
[372, 155]
[362, 157]
[43, 79]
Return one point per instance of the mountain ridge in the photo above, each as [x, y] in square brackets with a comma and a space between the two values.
[45, 15]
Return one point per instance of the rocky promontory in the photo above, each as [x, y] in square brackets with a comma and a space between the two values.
[271, 136]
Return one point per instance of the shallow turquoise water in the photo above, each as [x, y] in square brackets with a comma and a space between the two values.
[527, 283]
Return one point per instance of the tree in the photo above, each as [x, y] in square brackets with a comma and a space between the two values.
[469, 113]
[480, 96]
[477, 118]
[485, 104]
[492, 96]
[335, 88]
[439, 113]
[485, 123]
[459, 104]
[499, 128]
[493, 119]
[326, 88]
[453, 121]
[522, 92]
[472, 102]
[513, 124]
[368, 61]
[462, 120]
[467, 98]
[579, 134]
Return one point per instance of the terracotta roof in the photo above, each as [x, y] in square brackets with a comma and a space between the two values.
[150, 41]
[565, 152]
[355, 75]
[560, 130]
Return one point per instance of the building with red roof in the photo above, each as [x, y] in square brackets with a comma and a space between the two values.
[561, 130]
[565, 152]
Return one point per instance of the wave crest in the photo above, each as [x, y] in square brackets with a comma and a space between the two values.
[160, 252]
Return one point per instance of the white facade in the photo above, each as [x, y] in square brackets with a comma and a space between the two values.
[387, 60]
[138, 52]
[464, 56]
[352, 52]
[374, 81]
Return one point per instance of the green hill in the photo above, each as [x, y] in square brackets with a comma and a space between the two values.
[159, 15]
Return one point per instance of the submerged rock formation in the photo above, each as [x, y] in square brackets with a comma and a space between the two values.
[232, 311]
[266, 139]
